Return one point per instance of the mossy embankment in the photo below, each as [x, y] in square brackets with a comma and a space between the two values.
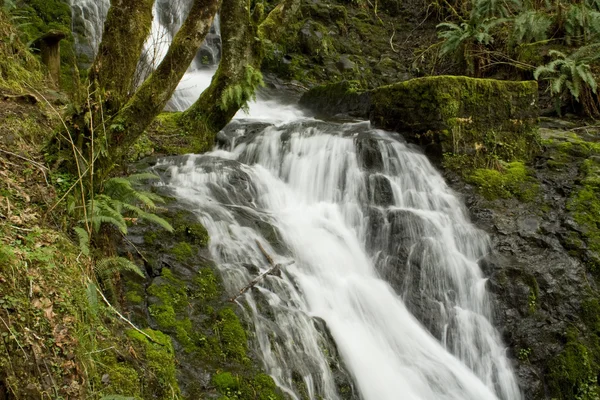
[543, 220]
[183, 297]
[359, 40]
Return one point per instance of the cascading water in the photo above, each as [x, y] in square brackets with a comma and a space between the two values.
[385, 260]
[383, 254]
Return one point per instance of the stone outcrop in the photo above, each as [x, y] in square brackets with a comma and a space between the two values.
[443, 114]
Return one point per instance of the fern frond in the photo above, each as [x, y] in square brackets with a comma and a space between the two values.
[144, 176]
[92, 297]
[108, 267]
[495, 8]
[531, 26]
[84, 240]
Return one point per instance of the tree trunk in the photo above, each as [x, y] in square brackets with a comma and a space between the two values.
[127, 26]
[238, 74]
[150, 99]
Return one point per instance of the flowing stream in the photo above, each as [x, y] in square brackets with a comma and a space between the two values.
[379, 283]
[382, 252]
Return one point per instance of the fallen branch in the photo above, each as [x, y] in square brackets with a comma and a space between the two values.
[270, 271]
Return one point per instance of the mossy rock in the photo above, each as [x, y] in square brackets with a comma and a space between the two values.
[346, 97]
[461, 115]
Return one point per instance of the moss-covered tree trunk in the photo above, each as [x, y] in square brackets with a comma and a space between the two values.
[127, 26]
[117, 114]
[152, 96]
[238, 74]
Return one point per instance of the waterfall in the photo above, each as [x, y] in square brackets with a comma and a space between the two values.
[168, 15]
[374, 244]
[378, 253]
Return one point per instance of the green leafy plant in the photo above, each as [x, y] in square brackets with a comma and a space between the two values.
[118, 199]
[119, 203]
[462, 40]
[531, 26]
[582, 24]
[571, 75]
[495, 8]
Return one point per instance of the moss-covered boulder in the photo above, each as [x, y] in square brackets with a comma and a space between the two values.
[461, 115]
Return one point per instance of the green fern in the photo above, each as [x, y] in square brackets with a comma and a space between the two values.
[119, 198]
[571, 74]
[495, 8]
[531, 26]
[84, 240]
[92, 297]
[243, 92]
[582, 24]
[108, 267]
[459, 38]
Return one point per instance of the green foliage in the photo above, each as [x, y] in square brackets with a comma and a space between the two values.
[120, 198]
[108, 267]
[571, 74]
[461, 41]
[582, 24]
[17, 64]
[494, 8]
[239, 94]
[573, 372]
[531, 26]
[84, 240]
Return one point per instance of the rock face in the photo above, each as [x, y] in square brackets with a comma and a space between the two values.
[543, 270]
[345, 98]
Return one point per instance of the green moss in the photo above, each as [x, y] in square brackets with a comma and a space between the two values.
[225, 382]
[573, 372]
[197, 234]
[585, 206]
[17, 64]
[143, 147]
[38, 17]
[208, 285]
[484, 119]
[233, 336]
[150, 237]
[259, 387]
[122, 378]
[182, 251]
[134, 298]
[160, 376]
[513, 180]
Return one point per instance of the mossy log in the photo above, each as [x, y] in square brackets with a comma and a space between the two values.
[461, 115]
[453, 115]
[127, 26]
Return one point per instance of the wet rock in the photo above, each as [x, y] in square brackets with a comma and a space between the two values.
[338, 98]
[368, 153]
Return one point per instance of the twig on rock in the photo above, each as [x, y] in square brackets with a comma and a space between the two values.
[271, 271]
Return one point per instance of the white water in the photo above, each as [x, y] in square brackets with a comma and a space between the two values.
[396, 282]
[305, 179]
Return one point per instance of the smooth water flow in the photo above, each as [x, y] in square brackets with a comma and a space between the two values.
[380, 296]
[385, 260]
